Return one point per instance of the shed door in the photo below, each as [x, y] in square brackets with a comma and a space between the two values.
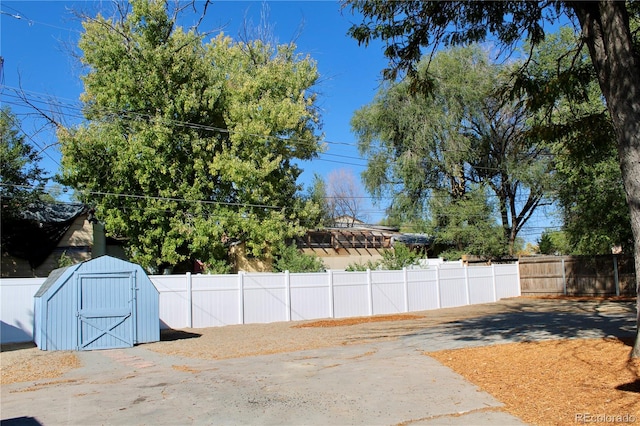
[106, 311]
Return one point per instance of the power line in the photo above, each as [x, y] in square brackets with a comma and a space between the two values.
[77, 108]
[21, 17]
[157, 198]
[42, 149]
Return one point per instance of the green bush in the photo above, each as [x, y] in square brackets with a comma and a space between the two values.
[289, 258]
[401, 256]
[65, 260]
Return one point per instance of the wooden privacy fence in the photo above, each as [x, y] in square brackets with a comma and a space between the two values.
[578, 275]
[198, 301]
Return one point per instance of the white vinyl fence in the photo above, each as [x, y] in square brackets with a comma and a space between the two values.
[198, 301]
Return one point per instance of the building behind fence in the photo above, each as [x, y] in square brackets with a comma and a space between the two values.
[198, 301]
[611, 275]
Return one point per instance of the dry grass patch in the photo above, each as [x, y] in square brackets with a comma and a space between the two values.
[554, 382]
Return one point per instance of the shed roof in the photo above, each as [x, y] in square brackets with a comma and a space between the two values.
[101, 263]
[53, 278]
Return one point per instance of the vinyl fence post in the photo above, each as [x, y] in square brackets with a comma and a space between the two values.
[493, 282]
[518, 278]
[331, 299]
[405, 276]
[615, 274]
[240, 297]
[370, 291]
[287, 294]
[466, 284]
[438, 297]
[189, 300]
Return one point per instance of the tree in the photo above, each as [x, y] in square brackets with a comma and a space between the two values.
[409, 27]
[344, 196]
[317, 194]
[339, 198]
[591, 195]
[463, 133]
[466, 225]
[189, 141]
[22, 179]
[553, 242]
[587, 179]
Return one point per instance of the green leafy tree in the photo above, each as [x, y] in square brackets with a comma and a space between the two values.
[553, 242]
[461, 134]
[289, 258]
[545, 244]
[22, 179]
[409, 28]
[466, 225]
[317, 194]
[190, 144]
[587, 178]
[592, 198]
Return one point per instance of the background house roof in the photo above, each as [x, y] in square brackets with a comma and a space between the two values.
[38, 229]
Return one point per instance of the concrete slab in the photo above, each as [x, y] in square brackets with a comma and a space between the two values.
[389, 382]
[385, 383]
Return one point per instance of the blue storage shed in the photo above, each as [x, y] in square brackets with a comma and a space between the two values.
[103, 303]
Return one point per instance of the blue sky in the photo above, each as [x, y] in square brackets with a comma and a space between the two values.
[37, 38]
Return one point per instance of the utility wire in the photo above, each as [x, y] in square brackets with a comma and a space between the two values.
[40, 98]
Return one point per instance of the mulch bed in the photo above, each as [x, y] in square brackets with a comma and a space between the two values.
[556, 382]
[358, 320]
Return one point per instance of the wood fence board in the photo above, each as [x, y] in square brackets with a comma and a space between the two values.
[577, 275]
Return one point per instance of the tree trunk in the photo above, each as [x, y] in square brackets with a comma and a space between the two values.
[605, 27]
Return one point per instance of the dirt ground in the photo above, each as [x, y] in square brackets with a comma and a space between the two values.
[545, 383]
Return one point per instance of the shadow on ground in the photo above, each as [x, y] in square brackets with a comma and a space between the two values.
[630, 387]
[541, 322]
[8, 347]
[21, 421]
[170, 335]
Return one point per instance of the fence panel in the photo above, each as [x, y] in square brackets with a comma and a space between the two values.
[388, 292]
[351, 296]
[542, 276]
[216, 300]
[453, 287]
[578, 275]
[265, 298]
[507, 281]
[16, 303]
[423, 287]
[481, 285]
[310, 296]
[174, 299]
